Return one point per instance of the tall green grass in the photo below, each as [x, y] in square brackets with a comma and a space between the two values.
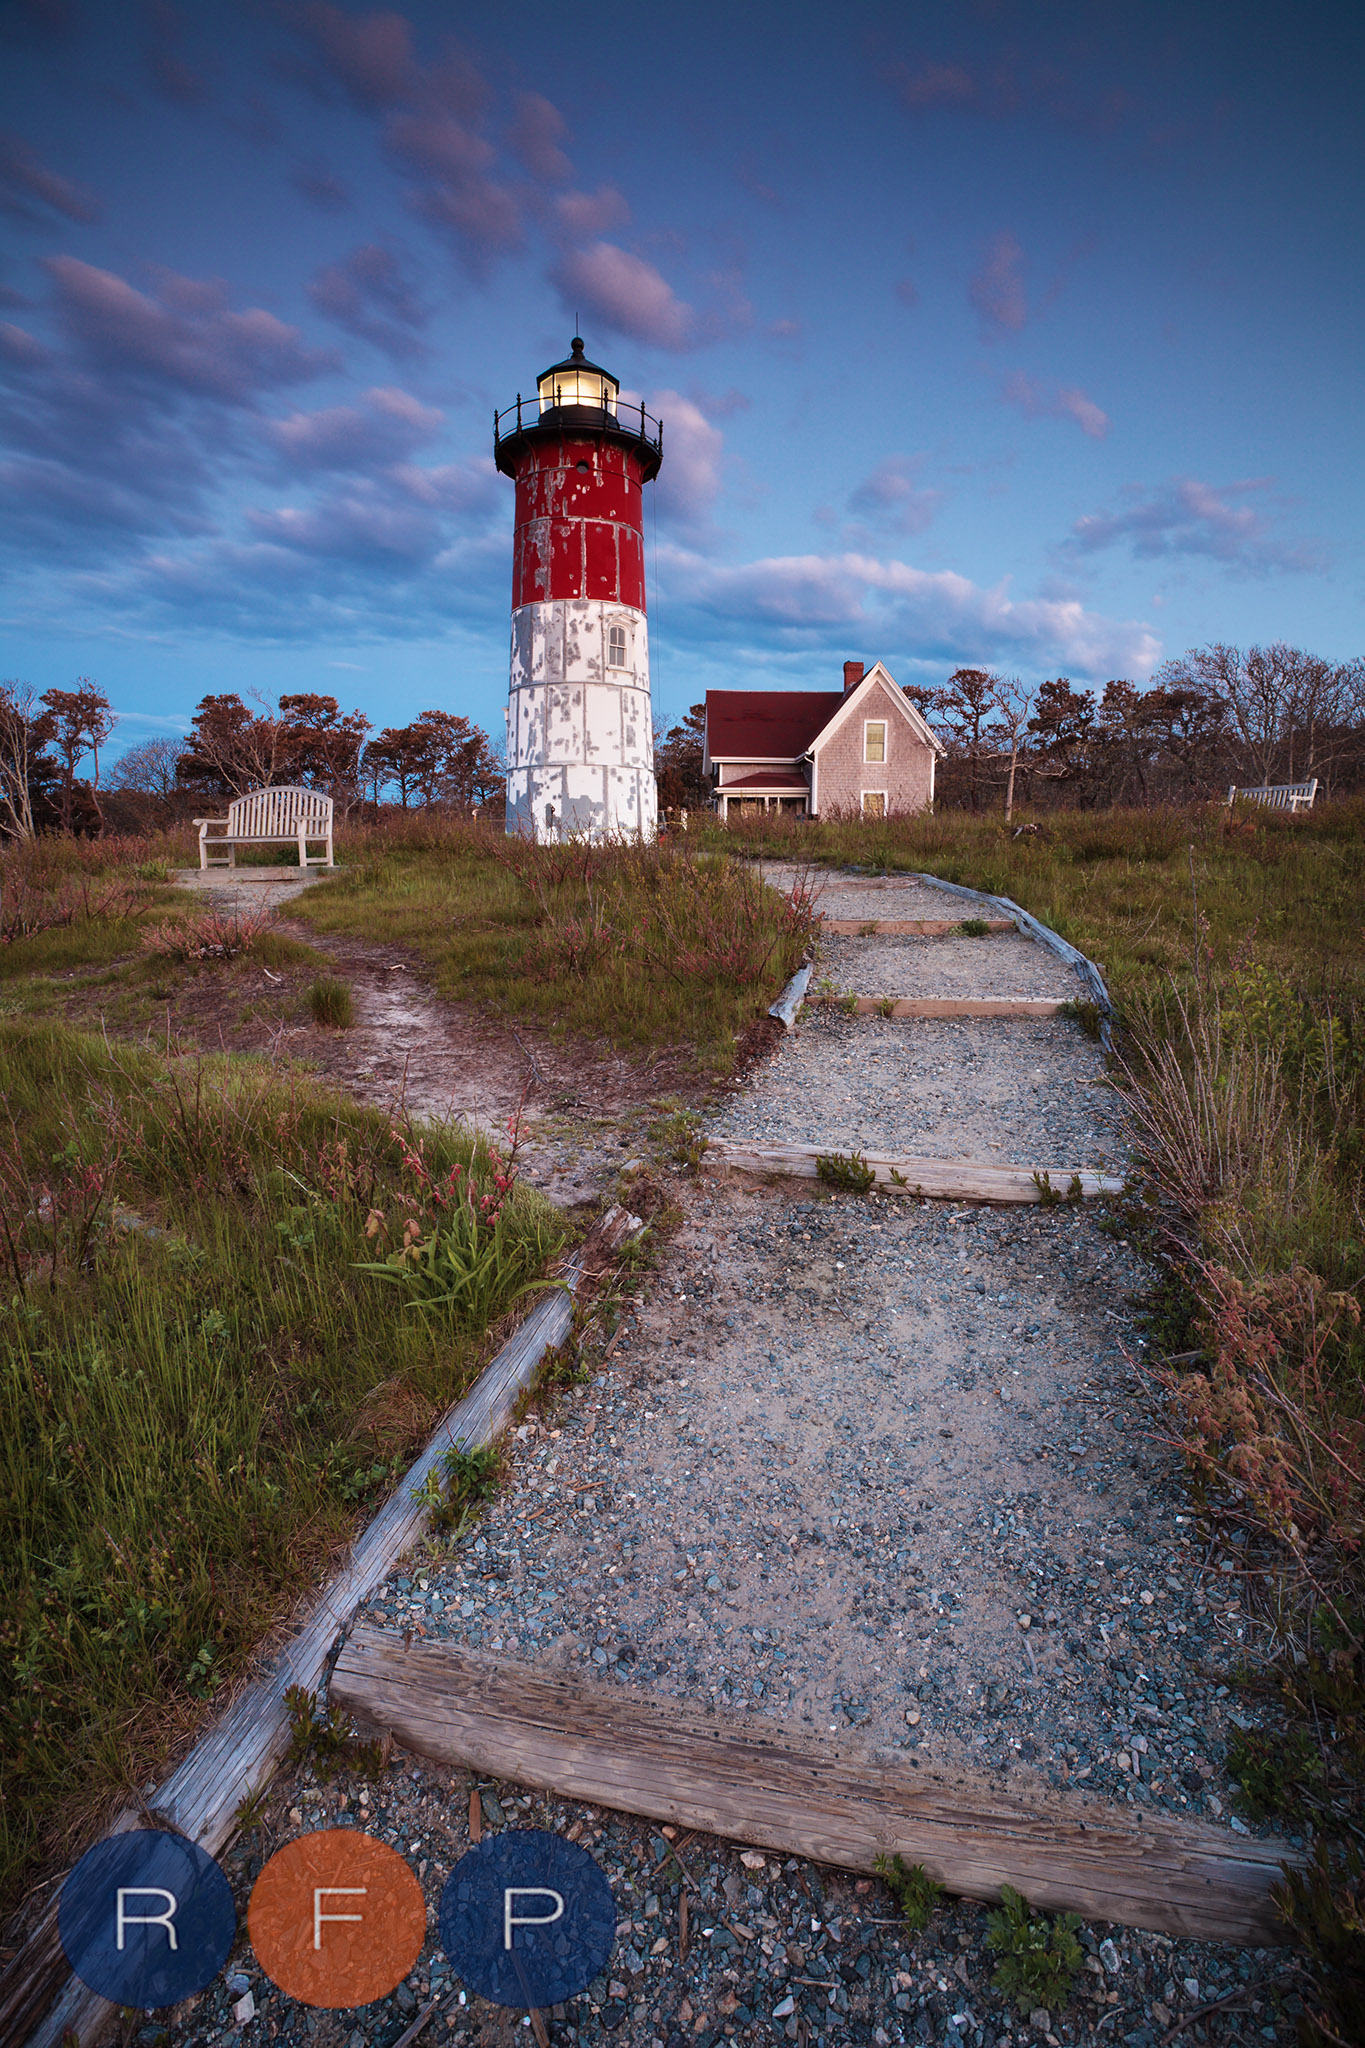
[200, 1393]
[636, 946]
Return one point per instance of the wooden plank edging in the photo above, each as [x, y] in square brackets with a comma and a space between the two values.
[966, 1180]
[752, 1782]
[1089, 974]
[234, 1756]
[788, 1004]
[945, 1006]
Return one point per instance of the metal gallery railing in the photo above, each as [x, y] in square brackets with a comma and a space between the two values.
[533, 412]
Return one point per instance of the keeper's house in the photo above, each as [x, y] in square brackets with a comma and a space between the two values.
[863, 750]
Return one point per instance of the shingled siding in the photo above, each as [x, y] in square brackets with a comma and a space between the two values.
[906, 776]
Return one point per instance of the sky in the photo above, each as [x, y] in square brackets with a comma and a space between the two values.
[1023, 336]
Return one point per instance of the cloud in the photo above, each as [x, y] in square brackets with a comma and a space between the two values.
[385, 426]
[172, 77]
[321, 187]
[997, 290]
[690, 479]
[26, 186]
[187, 336]
[19, 345]
[456, 194]
[370, 295]
[1060, 401]
[368, 55]
[536, 134]
[937, 85]
[892, 497]
[906, 290]
[625, 293]
[942, 615]
[359, 522]
[1184, 516]
[580, 216]
[38, 21]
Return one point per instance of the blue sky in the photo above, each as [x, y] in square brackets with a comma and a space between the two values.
[1020, 335]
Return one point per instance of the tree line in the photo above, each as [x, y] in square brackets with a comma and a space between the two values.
[440, 759]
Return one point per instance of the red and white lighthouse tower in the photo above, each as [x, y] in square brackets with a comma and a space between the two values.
[580, 743]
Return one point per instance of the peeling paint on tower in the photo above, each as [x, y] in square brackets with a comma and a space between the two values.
[580, 743]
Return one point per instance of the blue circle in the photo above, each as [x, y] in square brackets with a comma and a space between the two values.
[546, 1962]
[146, 1918]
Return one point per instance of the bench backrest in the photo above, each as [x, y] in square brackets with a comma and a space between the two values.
[282, 811]
[1281, 796]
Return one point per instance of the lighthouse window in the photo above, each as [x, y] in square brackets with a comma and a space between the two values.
[582, 468]
[874, 739]
[616, 647]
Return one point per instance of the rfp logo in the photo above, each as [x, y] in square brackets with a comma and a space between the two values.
[527, 1919]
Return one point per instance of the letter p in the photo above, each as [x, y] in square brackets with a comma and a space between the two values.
[512, 1918]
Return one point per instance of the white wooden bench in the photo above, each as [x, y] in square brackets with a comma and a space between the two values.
[270, 817]
[1281, 796]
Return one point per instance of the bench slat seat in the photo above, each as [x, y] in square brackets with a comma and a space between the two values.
[284, 816]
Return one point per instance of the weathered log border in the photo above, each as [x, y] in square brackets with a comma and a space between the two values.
[755, 1783]
[201, 1797]
[907, 927]
[957, 1180]
[945, 1006]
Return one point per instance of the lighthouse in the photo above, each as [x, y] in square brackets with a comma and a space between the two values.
[580, 742]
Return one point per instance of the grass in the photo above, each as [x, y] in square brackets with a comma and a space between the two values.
[641, 947]
[201, 1389]
[330, 1003]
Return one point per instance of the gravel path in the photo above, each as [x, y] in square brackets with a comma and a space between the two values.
[1009, 1093]
[879, 1469]
[1002, 965]
[869, 897]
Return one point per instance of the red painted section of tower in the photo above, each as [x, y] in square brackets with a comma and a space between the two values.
[580, 532]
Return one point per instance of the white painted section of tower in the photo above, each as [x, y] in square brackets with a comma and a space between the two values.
[580, 739]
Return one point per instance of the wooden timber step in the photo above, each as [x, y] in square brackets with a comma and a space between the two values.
[948, 1006]
[752, 1783]
[966, 1180]
[907, 927]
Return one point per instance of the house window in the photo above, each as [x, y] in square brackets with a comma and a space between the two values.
[616, 647]
[874, 803]
[874, 739]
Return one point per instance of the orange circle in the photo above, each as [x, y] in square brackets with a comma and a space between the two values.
[337, 1918]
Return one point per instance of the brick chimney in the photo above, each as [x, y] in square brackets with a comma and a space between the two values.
[853, 675]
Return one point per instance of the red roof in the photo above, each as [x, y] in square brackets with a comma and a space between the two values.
[766, 725]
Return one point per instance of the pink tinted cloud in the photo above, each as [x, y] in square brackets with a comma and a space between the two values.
[172, 76]
[892, 496]
[1185, 516]
[384, 426]
[456, 194]
[583, 216]
[688, 492]
[937, 85]
[186, 336]
[370, 294]
[625, 293]
[321, 187]
[536, 133]
[1058, 401]
[20, 347]
[368, 55]
[24, 180]
[997, 289]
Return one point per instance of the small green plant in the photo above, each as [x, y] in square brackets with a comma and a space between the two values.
[847, 1170]
[1051, 1197]
[974, 928]
[1277, 1769]
[1041, 1955]
[1325, 1906]
[1087, 1015]
[467, 1479]
[251, 1809]
[331, 1003]
[329, 1746]
[887, 1007]
[915, 1892]
[678, 1136]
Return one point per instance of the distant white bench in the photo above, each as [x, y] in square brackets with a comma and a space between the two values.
[270, 817]
[1281, 796]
